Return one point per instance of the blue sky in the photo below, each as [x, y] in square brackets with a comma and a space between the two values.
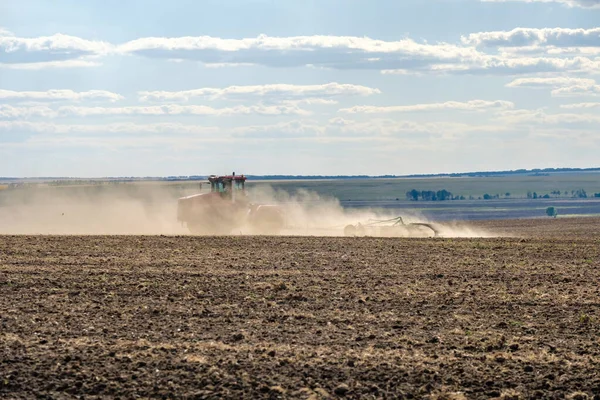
[111, 88]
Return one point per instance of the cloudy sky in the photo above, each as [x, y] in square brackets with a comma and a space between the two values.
[145, 87]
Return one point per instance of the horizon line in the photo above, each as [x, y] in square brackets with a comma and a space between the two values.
[321, 176]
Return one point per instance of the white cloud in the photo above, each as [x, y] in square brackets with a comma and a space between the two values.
[569, 3]
[337, 52]
[103, 129]
[472, 105]
[135, 143]
[561, 86]
[522, 37]
[10, 112]
[221, 65]
[55, 50]
[173, 109]
[291, 108]
[276, 91]
[52, 64]
[402, 56]
[5, 32]
[581, 105]
[572, 51]
[295, 128]
[338, 128]
[310, 102]
[577, 91]
[374, 129]
[549, 82]
[541, 117]
[520, 54]
[59, 95]
[295, 43]
[502, 65]
[163, 110]
[382, 127]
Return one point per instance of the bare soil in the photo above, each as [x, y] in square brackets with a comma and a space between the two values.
[304, 317]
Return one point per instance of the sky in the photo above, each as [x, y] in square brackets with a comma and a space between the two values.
[315, 87]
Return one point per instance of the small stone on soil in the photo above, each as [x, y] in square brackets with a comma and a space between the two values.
[264, 389]
[238, 337]
[277, 389]
[341, 390]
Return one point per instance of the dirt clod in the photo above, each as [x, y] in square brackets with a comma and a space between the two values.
[237, 337]
[341, 390]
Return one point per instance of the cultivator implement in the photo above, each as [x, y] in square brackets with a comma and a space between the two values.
[395, 227]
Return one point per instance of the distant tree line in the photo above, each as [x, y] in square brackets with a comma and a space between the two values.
[534, 195]
[443, 195]
[578, 194]
[21, 185]
[532, 172]
[75, 182]
[183, 178]
[317, 177]
[430, 195]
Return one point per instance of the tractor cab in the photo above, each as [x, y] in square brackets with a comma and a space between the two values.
[227, 207]
[229, 186]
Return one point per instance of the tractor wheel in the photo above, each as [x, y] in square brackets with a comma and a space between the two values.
[360, 230]
[350, 230]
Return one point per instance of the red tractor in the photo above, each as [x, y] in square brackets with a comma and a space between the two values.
[227, 209]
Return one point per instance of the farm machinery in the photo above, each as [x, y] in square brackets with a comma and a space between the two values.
[395, 227]
[226, 208]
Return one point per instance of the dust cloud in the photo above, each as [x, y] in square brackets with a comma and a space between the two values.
[76, 211]
[310, 214]
[152, 210]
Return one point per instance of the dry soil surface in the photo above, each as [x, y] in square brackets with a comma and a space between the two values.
[293, 317]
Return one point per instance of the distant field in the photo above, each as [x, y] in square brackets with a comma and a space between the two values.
[390, 189]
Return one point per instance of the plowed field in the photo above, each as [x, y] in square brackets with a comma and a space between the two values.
[303, 317]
